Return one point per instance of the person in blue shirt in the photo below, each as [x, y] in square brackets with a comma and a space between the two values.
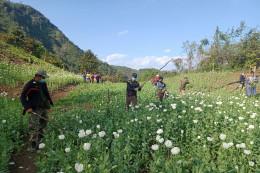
[84, 77]
[161, 88]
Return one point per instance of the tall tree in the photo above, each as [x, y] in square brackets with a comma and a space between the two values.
[89, 62]
[191, 50]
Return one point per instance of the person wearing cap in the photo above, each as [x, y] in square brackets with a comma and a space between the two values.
[35, 98]
[131, 91]
[161, 88]
[183, 85]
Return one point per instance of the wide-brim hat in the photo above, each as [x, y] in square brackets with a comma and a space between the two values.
[43, 73]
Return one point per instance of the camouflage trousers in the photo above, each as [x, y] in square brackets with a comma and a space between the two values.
[130, 99]
[37, 124]
[159, 96]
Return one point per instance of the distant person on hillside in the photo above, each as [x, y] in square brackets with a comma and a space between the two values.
[84, 77]
[241, 81]
[161, 89]
[251, 84]
[132, 87]
[92, 78]
[88, 77]
[98, 77]
[184, 82]
[35, 98]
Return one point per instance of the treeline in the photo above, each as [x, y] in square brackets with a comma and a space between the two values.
[234, 49]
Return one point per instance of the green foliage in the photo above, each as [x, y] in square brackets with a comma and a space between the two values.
[89, 62]
[121, 77]
[237, 49]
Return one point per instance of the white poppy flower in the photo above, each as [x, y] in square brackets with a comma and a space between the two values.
[195, 121]
[86, 146]
[61, 137]
[41, 145]
[251, 163]
[225, 145]
[120, 131]
[210, 139]
[101, 134]
[160, 131]
[3, 121]
[161, 140]
[148, 118]
[98, 126]
[81, 134]
[175, 150]
[67, 149]
[155, 147]
[222, 137]
[79, 167]
[88, 132]
[251, 126]
[168, 143]
[247, 152]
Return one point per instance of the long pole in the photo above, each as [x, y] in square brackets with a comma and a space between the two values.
[34, 113]
[159, 70]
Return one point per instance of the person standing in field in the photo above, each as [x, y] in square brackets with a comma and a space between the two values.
[92, 78]
[98, 77]
[84, 77]
[35, 98]
[88, 77]
[161, 88]
[241, 81]
[251, 82]
[184, 82]
[131, 91]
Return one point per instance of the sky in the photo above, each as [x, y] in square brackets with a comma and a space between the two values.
[144, 33]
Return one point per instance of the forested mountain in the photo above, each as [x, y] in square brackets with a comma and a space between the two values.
[23, 18]
[126, 70]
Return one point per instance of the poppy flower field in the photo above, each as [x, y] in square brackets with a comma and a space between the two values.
[199, 132]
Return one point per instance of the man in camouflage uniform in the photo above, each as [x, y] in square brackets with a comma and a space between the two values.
[161, 88]
[132, 87]
[183, 85]
[35, 98]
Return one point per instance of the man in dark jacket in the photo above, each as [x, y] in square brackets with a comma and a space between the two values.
[132, 87]
[35, 98]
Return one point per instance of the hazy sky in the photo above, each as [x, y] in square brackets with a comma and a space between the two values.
[143, 33]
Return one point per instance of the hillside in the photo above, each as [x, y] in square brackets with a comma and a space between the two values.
[16, 16]
[126, 70]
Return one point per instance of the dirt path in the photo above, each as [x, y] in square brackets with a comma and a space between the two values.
[24, 161]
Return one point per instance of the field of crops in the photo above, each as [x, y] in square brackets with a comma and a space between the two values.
[216, 131]
[211, 132]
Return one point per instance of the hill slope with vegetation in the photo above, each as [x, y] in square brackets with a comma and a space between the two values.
[28, 22]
